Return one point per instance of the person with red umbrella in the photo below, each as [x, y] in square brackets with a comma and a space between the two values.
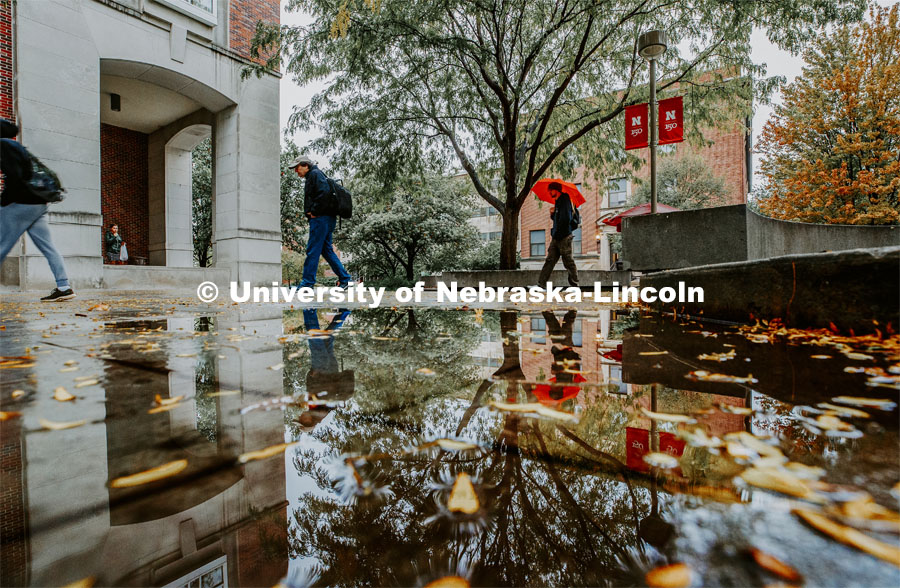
[565, 221]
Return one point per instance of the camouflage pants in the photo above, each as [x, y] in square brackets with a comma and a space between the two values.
[559, 248]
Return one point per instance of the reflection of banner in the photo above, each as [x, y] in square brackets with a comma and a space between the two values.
[637, 445]
[671, 121]
[636, 125]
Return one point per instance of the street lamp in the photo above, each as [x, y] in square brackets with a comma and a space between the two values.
[651, 46]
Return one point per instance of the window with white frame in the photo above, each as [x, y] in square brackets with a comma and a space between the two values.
[537, 242]
[202, 10]
[618, 192]
[576, 241]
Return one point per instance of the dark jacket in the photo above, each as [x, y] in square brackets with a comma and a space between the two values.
[562, 218]
[113, 242]
[16, 167]
[317, 194]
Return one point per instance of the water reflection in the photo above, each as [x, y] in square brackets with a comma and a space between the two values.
[388, 407]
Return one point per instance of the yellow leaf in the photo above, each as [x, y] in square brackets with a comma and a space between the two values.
[667, 416]
[152, 475]
[661, 460]
[865, 402]
[776, 566]
[166, 401]
[276, 367]
[86, 383]
[648, 353]
[9, 415]
[82, 583]
[462, 496]
[17, 394]
[673, 576]
[850, 536]
[844, 410]
[779, 481]
[58, 426]
[454, 445]
[61, 395]
[425, 371]
[448, 582]
[264, 453]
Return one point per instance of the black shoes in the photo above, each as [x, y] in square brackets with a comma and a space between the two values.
[58, 295]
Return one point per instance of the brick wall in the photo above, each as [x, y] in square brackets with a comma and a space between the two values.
[243, 16]
[6, 61]
[13, 521]
[123, 187]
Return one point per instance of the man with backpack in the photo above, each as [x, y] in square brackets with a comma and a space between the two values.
[22, 209]
[321, 208]
[565, 221]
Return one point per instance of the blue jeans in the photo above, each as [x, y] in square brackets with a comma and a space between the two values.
[17, 218]
[319, 244]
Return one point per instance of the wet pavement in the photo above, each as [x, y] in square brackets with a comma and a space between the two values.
[155, 441]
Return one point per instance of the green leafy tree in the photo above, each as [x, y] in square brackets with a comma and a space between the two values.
[518, 88]
[684, 183]
[201, 202]
[423, 222]
[293, 224]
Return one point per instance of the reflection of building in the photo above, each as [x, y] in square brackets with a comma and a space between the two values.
[213, 520]
[113, 95]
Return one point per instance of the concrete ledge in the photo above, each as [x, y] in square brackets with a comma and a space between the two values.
[150, 277]
[850, 289]
[512, 278]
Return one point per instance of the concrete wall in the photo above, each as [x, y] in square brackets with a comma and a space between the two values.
[735, 233]
[684, 239]
[512, 278]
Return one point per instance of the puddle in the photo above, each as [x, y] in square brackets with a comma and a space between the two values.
[400, 446]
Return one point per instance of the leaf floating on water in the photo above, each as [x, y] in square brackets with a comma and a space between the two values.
[71, 368]
[462, 496]
[663, 461]
[159, 400]
[186, 355]
[277, 367]
[425, 371]
[672, 576]
[448, 582]
[844, 410]
[878, 403]
[725, 356]
[152, 475]
[163, 408]
[780, 481]
[86, 383]
[774, 565]
[827, 422]
[82, 583]
[731, 409]
[454, 445]
[865, 513]
[850, 536]
[858, 356]
[62, 395]
[223, 393]
[9, 415]
[552, 413]
[16, 362]
[804, 472]
[264, 453]
[58, 426]
[705, 376]
[649, 353]
[17, 394]
[99, 307]
[667, 417]
[534, 408]
[820, 357]
[699, 438]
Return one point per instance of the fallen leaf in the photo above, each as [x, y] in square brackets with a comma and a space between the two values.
[163, 408]
[59, 426]
[264, 453]
[462, 496]
[879, 403]
[804, 472]
[705, 376]
[9, 415]
[672, 576]
[186, 355]
[780, 481]
[82, 583]
[86, 383]
[454, 445]
[425, 371]
[858, 356]
[160, 401]
[70, 362]
[448, 582]
[774, 565]
[62, 395]
[667, 416]
[850, 536]
[17, 394]
[820, 357]
[552, 413]
[223, 393]
[276, 367]
[663, 461]
[718, 356]
[844, 410]
[648, 353]
[99, 307]
[152, 475]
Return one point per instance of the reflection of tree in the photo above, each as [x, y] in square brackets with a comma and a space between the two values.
[544, 521]
[206, 382]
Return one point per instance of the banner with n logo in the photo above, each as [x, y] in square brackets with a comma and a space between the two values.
[671, 121]
[636, 125]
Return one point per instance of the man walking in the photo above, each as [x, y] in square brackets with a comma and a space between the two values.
[564, 222]
[318, 206]
[22, 211]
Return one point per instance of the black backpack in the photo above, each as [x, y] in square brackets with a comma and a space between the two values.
[341, 200]
[575, 222]
[44, 183]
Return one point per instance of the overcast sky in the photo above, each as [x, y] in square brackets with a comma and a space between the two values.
[779, 63]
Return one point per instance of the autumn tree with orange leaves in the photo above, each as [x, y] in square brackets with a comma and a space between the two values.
[831, 151]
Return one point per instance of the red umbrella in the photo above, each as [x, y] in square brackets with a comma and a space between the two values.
[639, 210]
[541, 190]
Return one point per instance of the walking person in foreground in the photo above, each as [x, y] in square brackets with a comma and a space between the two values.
[22, 211]
[319, 208]
[565, 221]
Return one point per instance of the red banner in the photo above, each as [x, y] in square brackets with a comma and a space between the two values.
[637, 445]
[671, 121]
[636, 125]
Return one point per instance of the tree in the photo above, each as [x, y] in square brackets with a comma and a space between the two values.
[201, 202]
[422, 221]
[293, 224]
[831, 151]
[519, 89]
[684, 183]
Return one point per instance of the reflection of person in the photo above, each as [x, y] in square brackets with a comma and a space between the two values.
[22, 211]
[563, 384]
[316, 207]
[561, 238]
[114, 243]
[326, 383]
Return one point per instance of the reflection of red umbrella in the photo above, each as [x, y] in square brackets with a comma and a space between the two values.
[542, 391]
[639, 210]
[541, 191]
[614, 354]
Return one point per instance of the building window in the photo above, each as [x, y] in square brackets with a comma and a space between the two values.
[577, 330]
[538, 327]
[538, 243]
[576, 241]
[202, 10]
[615, 378]
[211, 575]
[484, 211]
[618, 192]
[492, 236]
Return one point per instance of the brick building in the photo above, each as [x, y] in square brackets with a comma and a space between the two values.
[113, 95]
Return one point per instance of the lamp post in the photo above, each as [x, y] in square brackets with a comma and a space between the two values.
[651, 46]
